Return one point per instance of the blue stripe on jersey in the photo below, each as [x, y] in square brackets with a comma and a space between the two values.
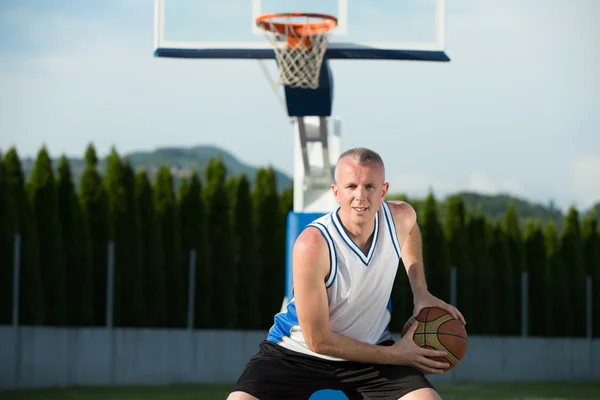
[332, 253]
[392, 228]
[284, 322]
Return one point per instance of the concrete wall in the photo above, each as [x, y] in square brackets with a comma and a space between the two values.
[34, 357]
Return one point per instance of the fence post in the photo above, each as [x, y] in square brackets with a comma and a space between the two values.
[192, 289]
[453, 286]
[16, 278]
[524, 303]
[15, 316]
[589, 311]
[110, 284]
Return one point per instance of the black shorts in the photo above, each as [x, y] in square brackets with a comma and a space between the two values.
[275, 372]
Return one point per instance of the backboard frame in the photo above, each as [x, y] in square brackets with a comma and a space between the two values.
[336, 50]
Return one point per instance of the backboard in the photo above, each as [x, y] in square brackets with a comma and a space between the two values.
[367, 29]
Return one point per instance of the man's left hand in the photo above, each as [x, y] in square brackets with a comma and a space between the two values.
[425, 299]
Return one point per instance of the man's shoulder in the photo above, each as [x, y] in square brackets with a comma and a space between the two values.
[311, 239]
[403, 213]
[401, 209]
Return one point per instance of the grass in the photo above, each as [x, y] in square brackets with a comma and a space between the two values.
[520, 391]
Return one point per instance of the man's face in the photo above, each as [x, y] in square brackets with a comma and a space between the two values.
[359, 190]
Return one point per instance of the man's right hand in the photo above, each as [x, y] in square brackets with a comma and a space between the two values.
[406, 352]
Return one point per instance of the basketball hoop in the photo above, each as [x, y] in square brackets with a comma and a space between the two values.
[299, 46]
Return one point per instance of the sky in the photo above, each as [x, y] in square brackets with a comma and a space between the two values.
[516, 110]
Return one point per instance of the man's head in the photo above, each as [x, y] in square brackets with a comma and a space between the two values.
[360, 185]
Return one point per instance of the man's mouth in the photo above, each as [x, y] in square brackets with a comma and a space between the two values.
[360, 209]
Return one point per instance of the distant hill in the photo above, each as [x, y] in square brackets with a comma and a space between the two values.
[495, 206]
[183, 161]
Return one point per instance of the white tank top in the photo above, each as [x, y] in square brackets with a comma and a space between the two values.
[359, 285]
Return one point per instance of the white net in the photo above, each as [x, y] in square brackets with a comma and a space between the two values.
[299, 55]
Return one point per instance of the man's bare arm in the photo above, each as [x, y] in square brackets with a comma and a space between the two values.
[409, 237]
[310, 268]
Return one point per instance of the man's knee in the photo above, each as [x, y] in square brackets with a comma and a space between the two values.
[240, 396]
[422, 394]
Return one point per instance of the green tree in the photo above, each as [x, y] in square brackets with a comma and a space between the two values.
[192, 220]
[246, 267]
[76, 249]
[591, 254]
[125, 231]
[220, 247]
[457, 235]
[31, 299]
[560, 303]
[516, 265]
[435, 255]
[168, 221]
[503, 283]
[539, 293]
[571, 250]
[94, 204]
[483, 320]
[152, 258]
[270, 244]
[42, 192]
[7, 236]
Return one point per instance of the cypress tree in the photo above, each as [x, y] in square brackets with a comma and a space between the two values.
[560, 301]
[220, 247]
[435, 257]
[133, 280]
[459, 251]
[168, 221]
[571, 250]
[270, 245]
[192, 221]
[539, 295]
[514, 269]
[152, 258]
[76, 249]
[94, 204]
[31, 299]
[484, 308]
[487, 306]
[591, 254]
[7, 236]
[246, 267]
[124, 228]
[42, 192]
[503, 282]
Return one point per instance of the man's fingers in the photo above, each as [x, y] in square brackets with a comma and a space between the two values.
[411, 330]
[433, 353]
[428, 370]
[433, 364]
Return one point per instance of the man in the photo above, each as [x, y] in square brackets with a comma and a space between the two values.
[334, 333]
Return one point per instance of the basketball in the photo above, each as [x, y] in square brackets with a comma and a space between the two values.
[438, 330]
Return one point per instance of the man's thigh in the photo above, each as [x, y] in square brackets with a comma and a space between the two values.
[361, 381]
[277, 373]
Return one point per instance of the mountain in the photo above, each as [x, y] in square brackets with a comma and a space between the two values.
[494, 207]
[183, 161]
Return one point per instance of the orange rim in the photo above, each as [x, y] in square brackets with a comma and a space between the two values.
[301, 28]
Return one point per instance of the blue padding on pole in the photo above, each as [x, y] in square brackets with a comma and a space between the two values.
[296, 222]
[312, 102]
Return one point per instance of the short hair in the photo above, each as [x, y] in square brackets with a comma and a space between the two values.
[361, 156]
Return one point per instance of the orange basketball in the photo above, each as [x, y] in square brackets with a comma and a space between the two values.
[439, 330]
